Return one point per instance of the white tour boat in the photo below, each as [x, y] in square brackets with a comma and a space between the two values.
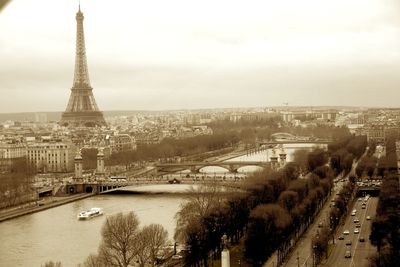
[87, 214]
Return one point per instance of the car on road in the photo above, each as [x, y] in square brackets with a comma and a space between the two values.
[346, 232]
[359, 199]
[356, 220]
[177, 257]
[320, 224]
[358, 225]
[341, 237]
[368, 218]
[356, 231]
[347, 254]
[348, 242]
[361, 239]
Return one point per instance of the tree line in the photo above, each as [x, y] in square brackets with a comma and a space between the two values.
[262, 129]
[344, 151]
[337, 212]
[385, 234]
[166, 149]
[16, 186]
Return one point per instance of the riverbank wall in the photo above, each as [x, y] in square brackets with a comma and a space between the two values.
[50, 203]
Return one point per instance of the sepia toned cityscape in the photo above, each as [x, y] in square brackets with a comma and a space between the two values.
[212, 133]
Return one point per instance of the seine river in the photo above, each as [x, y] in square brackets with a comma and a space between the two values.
[56, 234]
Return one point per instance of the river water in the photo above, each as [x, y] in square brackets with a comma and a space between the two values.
[56, 234]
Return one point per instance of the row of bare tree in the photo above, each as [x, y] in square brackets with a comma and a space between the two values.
[321, 239]
[16, 186]
[278, 220]
[345, 151]
[168, 148]
[343, 154]
[264, 128]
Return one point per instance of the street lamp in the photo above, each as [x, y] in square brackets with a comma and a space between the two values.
[313, 254]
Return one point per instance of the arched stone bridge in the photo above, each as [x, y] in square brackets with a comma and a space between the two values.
[275, 142]
[195, 167]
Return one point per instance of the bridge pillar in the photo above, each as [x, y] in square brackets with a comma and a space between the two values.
[194, 169]
[233, 168]
[282, 158]
[100, 162]
[78, 166]
[274, 162]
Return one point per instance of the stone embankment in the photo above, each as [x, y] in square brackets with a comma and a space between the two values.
[51, 202]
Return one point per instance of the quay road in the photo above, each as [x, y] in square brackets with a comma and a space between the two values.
[359, 250]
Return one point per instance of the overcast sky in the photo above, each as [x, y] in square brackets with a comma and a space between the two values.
[158, 54]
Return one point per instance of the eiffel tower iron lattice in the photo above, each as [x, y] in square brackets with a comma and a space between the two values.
[82, 109]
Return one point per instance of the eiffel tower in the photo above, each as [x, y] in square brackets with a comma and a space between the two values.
[82, 109]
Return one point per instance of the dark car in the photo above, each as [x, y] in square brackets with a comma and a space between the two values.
[361, 239]
[348, 243]
[341, 237]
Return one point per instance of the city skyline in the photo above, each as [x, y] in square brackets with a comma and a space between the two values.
[214, 55]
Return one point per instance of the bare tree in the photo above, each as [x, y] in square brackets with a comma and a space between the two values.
[93, 261]
[152, 239]
[202, 200]
[52, 264]
[120, 234]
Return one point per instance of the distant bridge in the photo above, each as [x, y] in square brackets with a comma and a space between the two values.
[195, 167]
[283, 142]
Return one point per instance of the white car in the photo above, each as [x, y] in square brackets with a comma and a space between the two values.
[368, 218]
[346, 232]
[356, 231]
[176, 257]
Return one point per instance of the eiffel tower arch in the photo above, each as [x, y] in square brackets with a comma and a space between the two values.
[82, 109]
